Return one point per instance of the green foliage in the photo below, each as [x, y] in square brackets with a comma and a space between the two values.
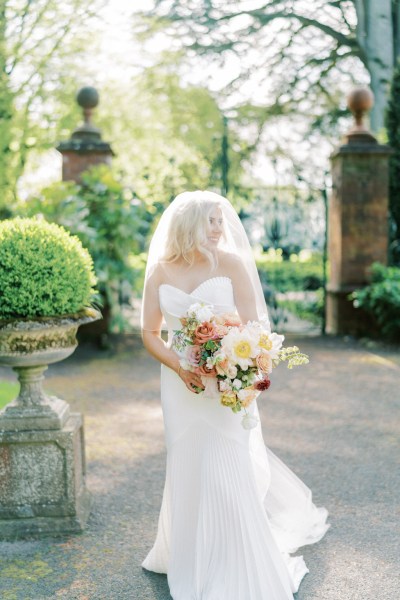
[111, 222]
[168, 136]
[289, 219]
[302, 272]
[393, 130]
[43, 46]
[307, 310]
[44, 271]
[295, 274]
[382, 299]
[6, 116]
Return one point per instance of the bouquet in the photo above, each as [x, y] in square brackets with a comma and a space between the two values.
[237, 357]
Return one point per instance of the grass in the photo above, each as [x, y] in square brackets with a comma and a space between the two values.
[8, 391]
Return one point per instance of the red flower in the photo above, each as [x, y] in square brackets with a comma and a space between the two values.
[261, 385]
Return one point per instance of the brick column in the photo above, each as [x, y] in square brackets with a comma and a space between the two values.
[85, 148]
[358, 219]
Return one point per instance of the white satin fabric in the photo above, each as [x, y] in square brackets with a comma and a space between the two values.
[231, 510]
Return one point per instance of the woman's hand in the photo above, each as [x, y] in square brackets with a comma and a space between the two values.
[191, 380]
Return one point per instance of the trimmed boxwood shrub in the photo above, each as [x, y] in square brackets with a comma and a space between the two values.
[44, 271]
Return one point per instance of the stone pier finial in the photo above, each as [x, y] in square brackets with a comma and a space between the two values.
[88, 99]
[85, 148]
[360, 100]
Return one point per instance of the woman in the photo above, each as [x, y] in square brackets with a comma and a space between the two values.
[231, 511]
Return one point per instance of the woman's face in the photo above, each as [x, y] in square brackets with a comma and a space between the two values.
[214, 227]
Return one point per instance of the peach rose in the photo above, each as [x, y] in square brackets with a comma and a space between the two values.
[203, 333]
[247, 395]
[221, 331]
[264, 362]
[206, 371]
[228, 319]
[222, 366]
[232, 321]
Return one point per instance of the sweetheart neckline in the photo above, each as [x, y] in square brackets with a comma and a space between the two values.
[198, 287]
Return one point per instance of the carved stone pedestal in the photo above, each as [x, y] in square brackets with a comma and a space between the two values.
[42, 481]
[42, 451]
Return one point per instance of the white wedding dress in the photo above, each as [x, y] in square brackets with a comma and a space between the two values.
[231, 510]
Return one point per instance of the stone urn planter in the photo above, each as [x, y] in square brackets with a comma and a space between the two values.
[46, 288]
[29, 346]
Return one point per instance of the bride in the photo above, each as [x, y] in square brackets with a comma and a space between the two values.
[232, 512]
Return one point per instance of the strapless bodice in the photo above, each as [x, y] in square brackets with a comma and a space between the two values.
[174, 302]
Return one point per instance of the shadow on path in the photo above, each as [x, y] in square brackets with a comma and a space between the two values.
[333, 423]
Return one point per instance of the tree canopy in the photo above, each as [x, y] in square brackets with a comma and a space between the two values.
[296, 49]
[38, 43]
[168, 136]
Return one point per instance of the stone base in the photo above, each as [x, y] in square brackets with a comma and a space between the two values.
[52, 413]
[42, 482]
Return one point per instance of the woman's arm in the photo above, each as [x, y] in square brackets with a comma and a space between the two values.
[244, 296]
[151, 335]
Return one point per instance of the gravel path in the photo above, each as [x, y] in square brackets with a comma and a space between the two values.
[334, 423]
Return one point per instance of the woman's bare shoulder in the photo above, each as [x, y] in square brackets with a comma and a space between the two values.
[157, 274]
[230, 262]
[164, 272]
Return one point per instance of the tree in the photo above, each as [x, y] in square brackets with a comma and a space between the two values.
[301, 43]
[168, 136]
[38, 41]
[6, 117]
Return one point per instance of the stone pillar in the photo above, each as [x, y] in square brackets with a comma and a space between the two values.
[358, 218]
[85, 148]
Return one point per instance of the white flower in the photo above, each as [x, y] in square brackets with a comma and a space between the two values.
[265, 324]
[210, 362]
[249, 421]
[242, 394]
[202, 312]
[237, 384]
[254, 326]
[277, 341]
[240, 346]
[224, 385]
[231, 371]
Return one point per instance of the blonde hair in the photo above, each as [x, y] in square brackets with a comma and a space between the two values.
[187, 232]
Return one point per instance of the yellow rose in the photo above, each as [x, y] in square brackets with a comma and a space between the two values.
[228, 399]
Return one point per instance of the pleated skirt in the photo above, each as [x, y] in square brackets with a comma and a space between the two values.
[231, 512]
